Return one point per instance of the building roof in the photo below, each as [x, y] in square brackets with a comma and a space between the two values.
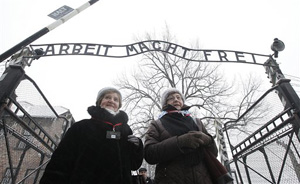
[41, 111]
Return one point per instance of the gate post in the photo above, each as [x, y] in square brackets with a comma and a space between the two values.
[9, 81]
[14, 73]
[222, 145]
[285, 91]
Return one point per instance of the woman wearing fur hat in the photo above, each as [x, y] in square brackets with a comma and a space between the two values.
[175, 142]
[98, 150]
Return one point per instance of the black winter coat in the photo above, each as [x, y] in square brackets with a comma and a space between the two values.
[86, 156]
[176, 165]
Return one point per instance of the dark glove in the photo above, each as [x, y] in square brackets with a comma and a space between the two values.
[133, 139]
[206, 139]
[193, 139]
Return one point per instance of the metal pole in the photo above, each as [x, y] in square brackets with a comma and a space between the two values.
[285, 91]
[11, 168]
[45, 30]
[222, 145]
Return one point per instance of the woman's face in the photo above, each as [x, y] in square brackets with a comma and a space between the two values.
[175, 100]
[110, 101]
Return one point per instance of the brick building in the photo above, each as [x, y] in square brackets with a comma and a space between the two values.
[28, 139]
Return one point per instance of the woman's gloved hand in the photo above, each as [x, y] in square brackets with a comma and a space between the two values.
[206, 139]
[133, 139]
[193, 139]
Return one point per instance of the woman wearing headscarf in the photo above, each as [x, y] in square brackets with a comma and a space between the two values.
[99, 150]
[175, 143]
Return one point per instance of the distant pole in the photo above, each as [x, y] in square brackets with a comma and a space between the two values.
[222, 145]
[45, 30]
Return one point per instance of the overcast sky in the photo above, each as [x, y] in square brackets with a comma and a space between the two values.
[73, 81]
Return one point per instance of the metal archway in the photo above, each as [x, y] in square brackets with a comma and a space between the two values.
[18, 126]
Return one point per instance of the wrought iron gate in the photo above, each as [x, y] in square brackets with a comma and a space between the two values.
[30, 128]
[269, 151]
[262, 152]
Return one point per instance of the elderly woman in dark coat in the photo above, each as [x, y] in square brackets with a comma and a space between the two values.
[100, 150]
[175, 142]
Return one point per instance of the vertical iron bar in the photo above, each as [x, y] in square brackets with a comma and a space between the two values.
[246, 170]
[262, 149]
[8, 152]
[284, 158]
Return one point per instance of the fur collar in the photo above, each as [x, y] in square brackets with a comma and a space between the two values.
[102, 114]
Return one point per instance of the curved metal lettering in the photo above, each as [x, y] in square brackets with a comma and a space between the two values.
[121, 51]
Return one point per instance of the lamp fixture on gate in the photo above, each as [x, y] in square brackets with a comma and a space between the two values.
[277, 46]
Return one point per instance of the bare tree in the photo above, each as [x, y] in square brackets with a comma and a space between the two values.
[202, 84]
